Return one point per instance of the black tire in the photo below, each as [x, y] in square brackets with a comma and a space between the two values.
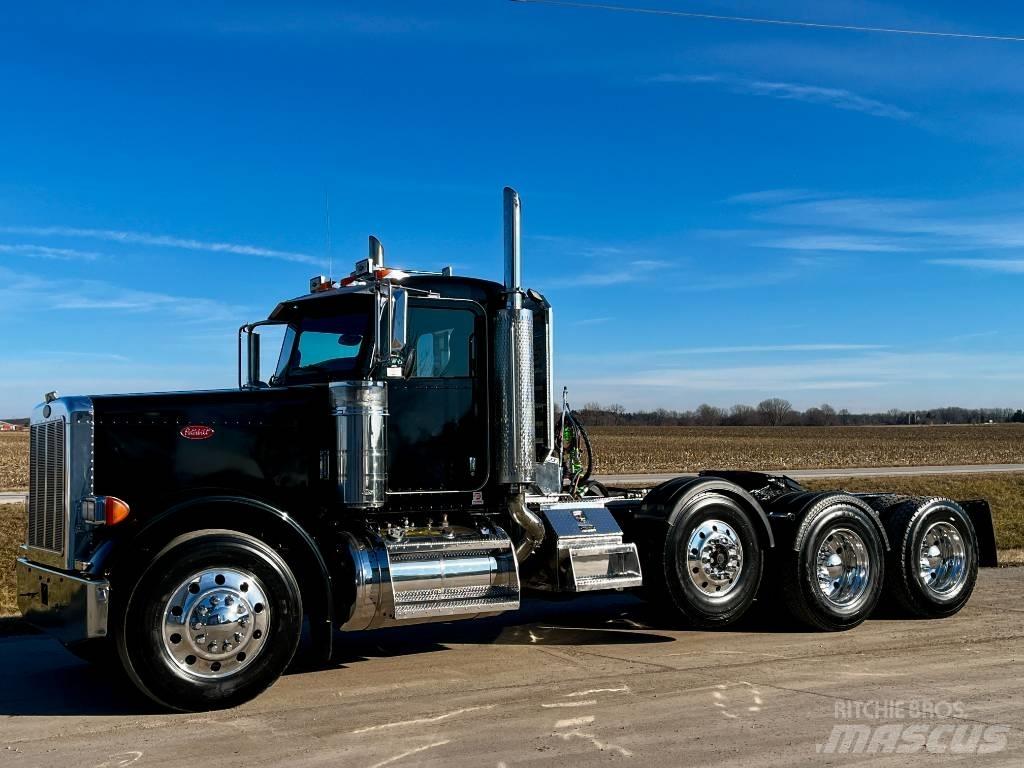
[945, 592]
[670, 577]
[141, 637]
[848, 527]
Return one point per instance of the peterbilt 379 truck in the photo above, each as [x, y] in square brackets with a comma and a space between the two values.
[406, 462]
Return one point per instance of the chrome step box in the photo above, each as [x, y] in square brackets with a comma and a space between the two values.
[586, 551]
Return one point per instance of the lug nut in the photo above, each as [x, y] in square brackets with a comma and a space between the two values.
[238, 637]
[229, 600]
[212, 646]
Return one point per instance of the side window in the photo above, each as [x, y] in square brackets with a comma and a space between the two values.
[440, 342]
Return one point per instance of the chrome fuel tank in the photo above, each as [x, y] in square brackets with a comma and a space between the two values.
[408, 575]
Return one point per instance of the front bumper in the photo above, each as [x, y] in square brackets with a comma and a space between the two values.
[69, 606]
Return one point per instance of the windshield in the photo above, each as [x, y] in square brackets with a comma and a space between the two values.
[326, 348]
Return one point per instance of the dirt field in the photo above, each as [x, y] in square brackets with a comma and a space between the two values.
[13, 460]
[688, 449]
[12, 534]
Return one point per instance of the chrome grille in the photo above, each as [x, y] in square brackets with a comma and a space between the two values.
[47, 486]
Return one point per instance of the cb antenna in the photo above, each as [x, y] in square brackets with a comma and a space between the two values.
[327, 228]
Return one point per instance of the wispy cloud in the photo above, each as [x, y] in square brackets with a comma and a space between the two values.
[874, 379]
[822, 222]
[46, 252]
[603, 264]
[326, 22]
[837, 98]
[838, 242]
[589, 321]
[758, 348]
[61, 354]
[769, 196]
[948, 224]
[23, 292]
[630, 272]
[1011, 266]
[166, 241]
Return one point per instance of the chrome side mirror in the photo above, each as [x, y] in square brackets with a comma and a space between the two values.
[399, 313]
[396, 312]
[252, 373]
[250, 370]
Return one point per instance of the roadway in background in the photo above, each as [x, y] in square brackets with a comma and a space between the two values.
[811, 474]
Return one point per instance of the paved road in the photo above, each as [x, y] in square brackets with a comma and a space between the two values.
[808, 474]
[589, 682]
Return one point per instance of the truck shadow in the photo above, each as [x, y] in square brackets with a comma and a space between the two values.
[41, 678]
[596, 620]
[606, 619]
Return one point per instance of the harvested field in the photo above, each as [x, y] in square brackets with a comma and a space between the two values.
[13, 460]
[12, 534]
[689, 449]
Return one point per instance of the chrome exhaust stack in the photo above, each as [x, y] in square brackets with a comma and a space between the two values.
[513, 363]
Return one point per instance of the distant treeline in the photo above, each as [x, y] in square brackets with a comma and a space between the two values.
[775, 412]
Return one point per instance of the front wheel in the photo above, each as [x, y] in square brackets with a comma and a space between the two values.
[211, 623]
[710, 561]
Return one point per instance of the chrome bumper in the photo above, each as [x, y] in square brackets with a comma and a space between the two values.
[69, 606]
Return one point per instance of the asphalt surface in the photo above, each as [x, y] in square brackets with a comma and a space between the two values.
[810, 474]
[596, 681]
[796, 474]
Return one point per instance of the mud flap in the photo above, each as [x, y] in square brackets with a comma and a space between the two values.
[980, 513]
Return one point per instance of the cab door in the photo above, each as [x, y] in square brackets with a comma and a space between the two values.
[438, 412]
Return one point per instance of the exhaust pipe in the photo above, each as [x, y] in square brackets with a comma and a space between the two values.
[513, 349]
[530, 522]
[376, 253]
[513, 254]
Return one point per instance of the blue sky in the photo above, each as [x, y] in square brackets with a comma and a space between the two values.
[720, 212]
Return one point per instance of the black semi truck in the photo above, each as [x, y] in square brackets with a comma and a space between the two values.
[406, 462]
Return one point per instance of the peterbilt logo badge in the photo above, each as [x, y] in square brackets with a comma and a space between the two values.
[196, 432]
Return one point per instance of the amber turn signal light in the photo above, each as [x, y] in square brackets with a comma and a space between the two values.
[115, 510]
[104, 510]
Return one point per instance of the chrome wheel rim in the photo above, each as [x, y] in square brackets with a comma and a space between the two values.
[843, 567]
[942, 562]
[215, 623]
[714, 558]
